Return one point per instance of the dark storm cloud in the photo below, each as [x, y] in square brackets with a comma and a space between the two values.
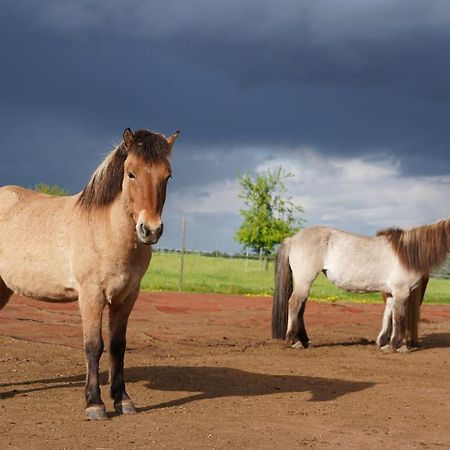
[346, 77]
[263, 41]
[351, 43]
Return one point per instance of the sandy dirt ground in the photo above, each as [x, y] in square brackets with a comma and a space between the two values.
[204, 373]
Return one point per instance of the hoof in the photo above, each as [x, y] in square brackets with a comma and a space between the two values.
[125, 407]
[297, 344]
[403, 349]
[96, 412]
[387, 349]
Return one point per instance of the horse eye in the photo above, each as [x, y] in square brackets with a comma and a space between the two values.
[131, 175]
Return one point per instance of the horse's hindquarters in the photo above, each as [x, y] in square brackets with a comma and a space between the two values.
[35, 243]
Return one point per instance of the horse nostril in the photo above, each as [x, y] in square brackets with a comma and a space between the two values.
[160, 230]
[145, 231]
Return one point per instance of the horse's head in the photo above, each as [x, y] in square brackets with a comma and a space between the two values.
[146, 173]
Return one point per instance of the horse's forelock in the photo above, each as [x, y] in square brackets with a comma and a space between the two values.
[150, 146]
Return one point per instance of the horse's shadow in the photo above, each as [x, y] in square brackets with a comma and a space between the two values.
[205, 383]
[426, 342]
[434, 340]
[355, 342]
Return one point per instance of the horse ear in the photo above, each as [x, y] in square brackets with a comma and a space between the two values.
[171, 139]
[128, 137]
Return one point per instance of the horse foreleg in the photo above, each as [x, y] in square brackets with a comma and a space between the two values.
[386, 325]
[398, 319]
[91, 308]
[118, 319]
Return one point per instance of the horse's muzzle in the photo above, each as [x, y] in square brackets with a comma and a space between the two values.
[149, 235]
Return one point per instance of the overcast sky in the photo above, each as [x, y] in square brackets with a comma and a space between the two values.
[353, 97]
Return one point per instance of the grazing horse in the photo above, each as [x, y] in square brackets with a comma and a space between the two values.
[93, 247]
[394, 261]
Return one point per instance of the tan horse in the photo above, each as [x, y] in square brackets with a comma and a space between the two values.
[393, 261]
[94, 246]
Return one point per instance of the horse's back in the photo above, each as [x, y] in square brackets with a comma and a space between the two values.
[9, 198]
[310, 237]
[25, 213]
[353, 262]
[16, 201]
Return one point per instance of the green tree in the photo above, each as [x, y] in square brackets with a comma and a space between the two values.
[270, 215]
[53, 189]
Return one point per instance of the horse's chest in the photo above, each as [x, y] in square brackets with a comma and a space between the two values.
[119, 284]
[116, 277]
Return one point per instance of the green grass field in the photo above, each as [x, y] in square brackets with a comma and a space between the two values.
[238, 276]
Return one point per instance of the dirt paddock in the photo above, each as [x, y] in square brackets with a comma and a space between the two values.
[204, 373]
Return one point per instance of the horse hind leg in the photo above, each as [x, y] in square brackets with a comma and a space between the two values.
[5, 294]
[302, 335]
[304, 276]
[296, 331]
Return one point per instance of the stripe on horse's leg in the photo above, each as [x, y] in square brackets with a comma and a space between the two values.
[118, 319]
[91, 309]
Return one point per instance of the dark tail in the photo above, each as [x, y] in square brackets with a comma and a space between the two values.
[282, 291]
